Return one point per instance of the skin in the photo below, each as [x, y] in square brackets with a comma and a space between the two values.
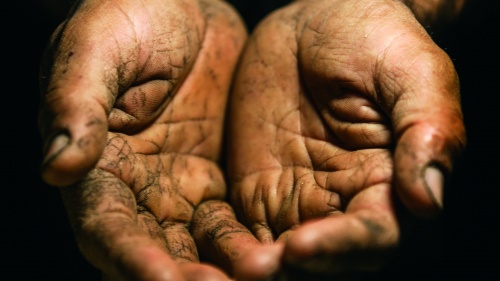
[340, 110]
[134, 98]
[436, 14]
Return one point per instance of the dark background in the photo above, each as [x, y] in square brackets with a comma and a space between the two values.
[462, 243]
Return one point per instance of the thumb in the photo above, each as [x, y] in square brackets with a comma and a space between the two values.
[424, 160]
[428, 125]
[73, 113]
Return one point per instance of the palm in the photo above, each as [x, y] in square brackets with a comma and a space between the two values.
[314, 122]
[319, 141]
[151, 100]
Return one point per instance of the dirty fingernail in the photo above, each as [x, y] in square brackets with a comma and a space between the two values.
[434, 181]
[55, 147]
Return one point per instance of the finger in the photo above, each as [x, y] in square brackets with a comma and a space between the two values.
[191, 272]
[423, 92]
[176, 238]
[173, 236]
[221, 239]
[103, 51]
[202, 272]
[271, 202]
[356, 122]
[179, 242]
[262, 262]
[102, 213]
[74, 105]
[362, 239]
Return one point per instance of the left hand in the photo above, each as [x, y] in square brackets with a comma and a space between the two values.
[337, 105]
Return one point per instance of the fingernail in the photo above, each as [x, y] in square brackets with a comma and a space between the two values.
[55, 147]
[434, 181]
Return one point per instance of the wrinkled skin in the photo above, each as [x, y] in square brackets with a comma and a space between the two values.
[133, 101]
[338, 107]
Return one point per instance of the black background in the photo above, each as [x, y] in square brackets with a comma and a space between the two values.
[461, 244]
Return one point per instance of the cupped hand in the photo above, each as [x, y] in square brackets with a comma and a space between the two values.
[339, 108]
[133, 105]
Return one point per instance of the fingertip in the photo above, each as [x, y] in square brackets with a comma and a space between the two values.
[202, 272]
[302, 244]
[424, 159]
[425, 199]
[261, 263]
[434, 181]
[54, 147]
[421, 190]
[67, 161]
[419, 198]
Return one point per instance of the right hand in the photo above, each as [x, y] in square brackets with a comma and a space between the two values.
[133, 102]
